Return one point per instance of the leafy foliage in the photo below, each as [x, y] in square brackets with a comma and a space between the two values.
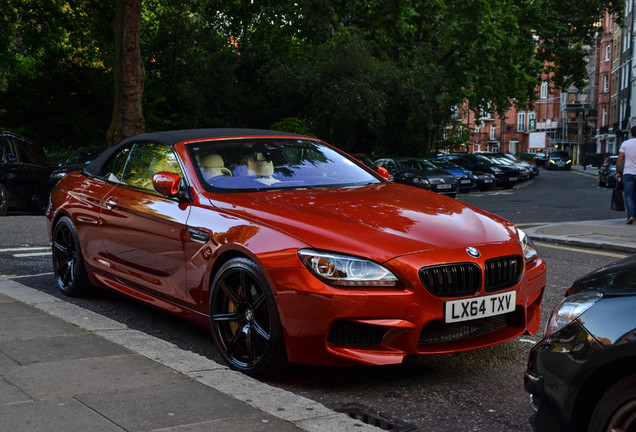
[368, 76]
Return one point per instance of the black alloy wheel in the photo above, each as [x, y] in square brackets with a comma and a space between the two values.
[4, 196]
[68, 264]
[244, 319]
[616, 411]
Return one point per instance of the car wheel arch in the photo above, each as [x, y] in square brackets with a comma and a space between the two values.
[269, 360]
[595, 386]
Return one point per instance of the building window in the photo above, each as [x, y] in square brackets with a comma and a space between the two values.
[493, 129]
[604, 118]
[605, 84]
[521, 122]
[544, 90]
[607, 52]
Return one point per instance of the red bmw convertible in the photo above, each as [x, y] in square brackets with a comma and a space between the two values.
[290, 250]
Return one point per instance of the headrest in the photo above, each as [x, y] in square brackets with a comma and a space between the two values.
[259, 166]
[212, 166]
[212, 161]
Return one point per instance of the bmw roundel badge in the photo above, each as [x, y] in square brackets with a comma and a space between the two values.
[473, 252]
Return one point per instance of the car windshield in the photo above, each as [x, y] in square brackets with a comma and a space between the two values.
[257, 164]
[84, 156]
[559, 154]
[417, 165]
[482, 161]
[442, 163]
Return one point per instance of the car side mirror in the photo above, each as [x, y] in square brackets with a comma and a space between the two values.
[383, 173]
[166, 183]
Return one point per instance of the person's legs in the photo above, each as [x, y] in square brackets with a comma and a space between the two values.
[629, 189]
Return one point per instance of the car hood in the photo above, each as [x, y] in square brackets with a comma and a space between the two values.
[457, 171]
[617, 278]
[380, 222]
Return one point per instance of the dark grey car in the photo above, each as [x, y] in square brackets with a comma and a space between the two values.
[582, 374]
[24, 174]
[420, 173]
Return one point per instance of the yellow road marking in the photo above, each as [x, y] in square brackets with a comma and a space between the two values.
[587, 251]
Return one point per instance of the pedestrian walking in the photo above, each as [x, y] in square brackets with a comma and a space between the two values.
[626, 172]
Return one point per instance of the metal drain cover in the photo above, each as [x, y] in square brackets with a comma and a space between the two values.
[375, 418]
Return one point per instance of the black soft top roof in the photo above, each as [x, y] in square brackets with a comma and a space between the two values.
[170, 138]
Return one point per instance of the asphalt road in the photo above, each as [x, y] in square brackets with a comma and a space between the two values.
[473, 391]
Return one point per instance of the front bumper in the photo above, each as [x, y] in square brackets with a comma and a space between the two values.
[324, 325]
[554, 376]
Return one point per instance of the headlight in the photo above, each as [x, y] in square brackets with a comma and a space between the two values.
[343, 270]
[58, 175]
[570, 309]
[529, 251]
[419, 180]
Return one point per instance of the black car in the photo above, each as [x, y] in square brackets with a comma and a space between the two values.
[541, 159]
[607, 172]
[559, 160]
[582, 374]
[76, 161]
[505, 176]
[420, 173]
[533, 169]
[24, 174]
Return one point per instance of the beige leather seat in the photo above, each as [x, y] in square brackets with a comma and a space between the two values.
[212, 166]
[261, 168]
[258, 166]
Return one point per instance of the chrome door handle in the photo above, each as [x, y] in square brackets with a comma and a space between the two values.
[111, 203]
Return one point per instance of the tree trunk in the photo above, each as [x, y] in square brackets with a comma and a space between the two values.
[128, 117]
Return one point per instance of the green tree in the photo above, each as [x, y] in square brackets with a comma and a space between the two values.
[55, 81]
[129, 73]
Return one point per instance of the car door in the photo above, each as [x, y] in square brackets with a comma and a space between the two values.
[11, 175]
[143, 232]
[34, 173]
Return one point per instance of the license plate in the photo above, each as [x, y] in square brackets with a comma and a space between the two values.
[444, 186]
[488, 181]
[513, 179]
[480, 307]
[465, 181]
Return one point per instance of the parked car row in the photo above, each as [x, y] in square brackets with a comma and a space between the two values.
[456, 172]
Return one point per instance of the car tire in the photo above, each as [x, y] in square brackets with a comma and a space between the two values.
[4, 197]
[244, 319]
[617, 408]
[68, 260]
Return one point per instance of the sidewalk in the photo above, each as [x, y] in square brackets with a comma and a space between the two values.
[611, 235]
[63, 368]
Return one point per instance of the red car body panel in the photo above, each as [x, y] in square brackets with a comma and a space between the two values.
[165, 252]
